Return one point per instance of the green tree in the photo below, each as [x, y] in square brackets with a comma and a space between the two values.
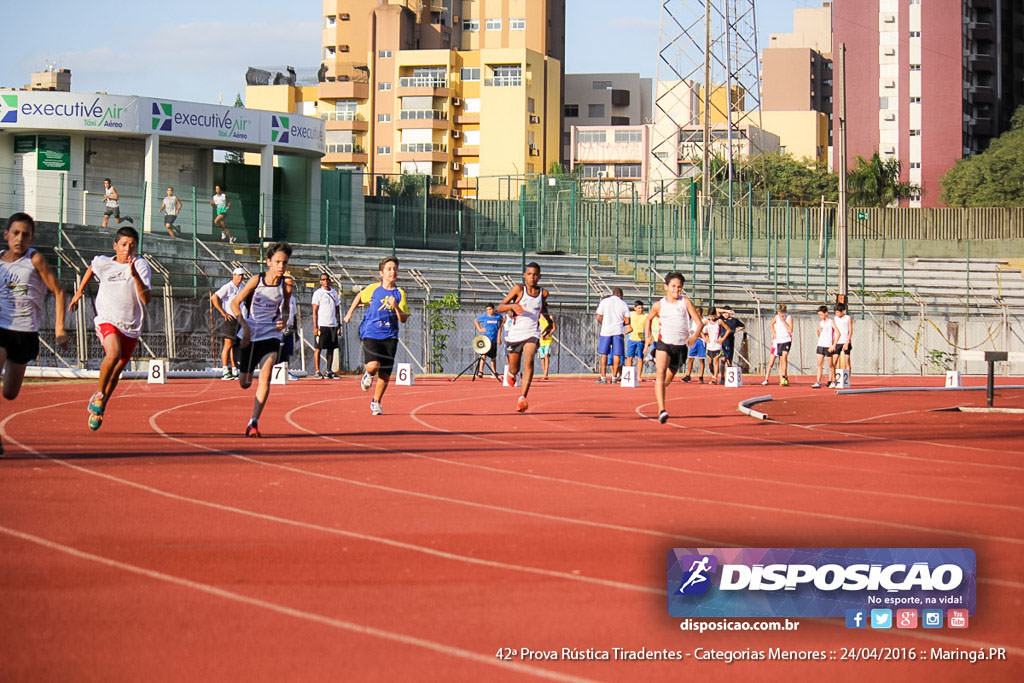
[441, 319]
[993, 178]
[235, 156]
[877, 183]
[801, 182]
[406, 186]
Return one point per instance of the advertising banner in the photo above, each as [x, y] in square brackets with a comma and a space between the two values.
[69, 111]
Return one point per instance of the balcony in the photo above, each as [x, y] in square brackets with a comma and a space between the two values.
[423, 85]
[423, 151]
[467, 151]
[343, 90]
[436, 119]
[467, 117]
[465, 184]
[344, 153]
[344, 120]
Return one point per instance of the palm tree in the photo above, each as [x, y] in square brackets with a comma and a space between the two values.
[877, 183]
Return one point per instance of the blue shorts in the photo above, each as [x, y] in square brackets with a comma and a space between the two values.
[610, 345]
[543, 350]
[698, 350]
[634, 348]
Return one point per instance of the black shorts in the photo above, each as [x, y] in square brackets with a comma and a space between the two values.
[517, 347]
[727, 352]
[842, 351]
[823, 351]
[327, 339]
[383, 352]
[114, 211]
[782, 348]
[21, 347]
[287, 347]
[676, 354]
[493, 351]
[226, 329]
[169, 218]
[253, 354]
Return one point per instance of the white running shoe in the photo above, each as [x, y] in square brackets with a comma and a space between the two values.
[366, 381]
[375, 408]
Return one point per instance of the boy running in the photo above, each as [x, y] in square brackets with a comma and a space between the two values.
[267, 297]
[121, 302]
[386, 307]
[827, 336]
[527, 302]
[674, 313]
[782, 341]
[24, 279]
[171, 206]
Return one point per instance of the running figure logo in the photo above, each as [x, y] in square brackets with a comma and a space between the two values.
[696, 581]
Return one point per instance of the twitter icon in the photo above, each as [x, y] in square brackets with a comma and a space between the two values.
[881, 618]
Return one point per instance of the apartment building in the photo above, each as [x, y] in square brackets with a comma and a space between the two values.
[452, 89]
[928, 82]
[612, 99]
[615, 158]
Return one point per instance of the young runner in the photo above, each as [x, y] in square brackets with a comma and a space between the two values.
[635, 340]
[386, 307]
[527, 302]
[226, 327]
[782, 341]
[24, 279]
[267, 297]
[121, 302]
[827, 336]
[674, 312]
[844, 342]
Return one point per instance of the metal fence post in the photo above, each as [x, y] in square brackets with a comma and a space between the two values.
[426, 207]
[394, 229]
[142, 216]
[459, 287]
[60, 221]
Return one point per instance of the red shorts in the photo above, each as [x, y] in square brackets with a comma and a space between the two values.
[128, 344]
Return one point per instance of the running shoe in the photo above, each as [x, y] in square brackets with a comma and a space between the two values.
[816, 385]
[764, 383]
[232, 240]
[686, 378]
[366, 381]
[663, 417]
[784, 382]
[331, 375]
[223, 236]
[95, 420]
[602, 380]
[96, 404]
[252, 430]
[701, 380]
[375, 408]
[522, 405]
[831, 385]
[227, 375]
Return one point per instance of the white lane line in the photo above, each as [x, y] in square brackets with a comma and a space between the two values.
[333, 622]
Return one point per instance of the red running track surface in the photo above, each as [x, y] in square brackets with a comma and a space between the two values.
[416, 544]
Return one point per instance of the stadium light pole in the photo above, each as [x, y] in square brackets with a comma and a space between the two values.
[841, 227]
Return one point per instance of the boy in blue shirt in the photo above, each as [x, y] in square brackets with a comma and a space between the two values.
[386, 307]
[489, 325]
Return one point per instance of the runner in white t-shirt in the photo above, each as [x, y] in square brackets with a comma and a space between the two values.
[714, 330]
[226, 327]
[844, 342]
[171, 206]
[673, 312]
[120, 307]
[782, 341]
[325, 325]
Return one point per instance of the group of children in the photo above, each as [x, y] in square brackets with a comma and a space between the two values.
[675, 330]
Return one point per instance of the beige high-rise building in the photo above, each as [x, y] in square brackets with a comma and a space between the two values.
[452, 89]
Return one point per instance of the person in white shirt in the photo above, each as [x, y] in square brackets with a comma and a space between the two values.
[111, 205]
[226, 327]
[674, 312]
[844, 342]
[171, 206]
[219, 201]
[121, 302]
[613, 315]
[325, 326]
[827, 336]
[713, 333]
[782, 341]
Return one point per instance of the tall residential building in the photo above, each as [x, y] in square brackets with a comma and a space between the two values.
[453, 89]
[616, 99]
[945, 74]
[812, 28]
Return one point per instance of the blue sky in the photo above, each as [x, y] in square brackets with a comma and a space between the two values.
[191, 50]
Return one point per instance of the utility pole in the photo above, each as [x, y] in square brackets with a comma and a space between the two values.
[841, 247]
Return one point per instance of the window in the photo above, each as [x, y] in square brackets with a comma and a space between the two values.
[627, 170]
[383, 149]
[915, 164]
[510, 75]
[586, 136]
[329, 20]
[601, 85]
[593, 170]
[628, 136]
[470, 24]
[383, 118]
[915, 100]
[384, 54]
[571, 111]
[915, 131]
[517, 24]
[470, 74]
[493, 24]
[471, 105]
[329, 52]
[426, 77]
[886, 102]
[531, 105]
[384, 85]
[915, 67]
[595, 111]
[915, 34]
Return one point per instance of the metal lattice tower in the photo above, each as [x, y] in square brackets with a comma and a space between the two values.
[705, 46]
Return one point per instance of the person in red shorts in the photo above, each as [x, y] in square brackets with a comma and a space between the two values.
[120, 306]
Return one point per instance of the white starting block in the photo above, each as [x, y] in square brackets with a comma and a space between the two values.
[952, 378]
[733, 377]
[279, 373]
[404, 376]
[629, 378]
[509, 381]
[842, 379]
[157, 373]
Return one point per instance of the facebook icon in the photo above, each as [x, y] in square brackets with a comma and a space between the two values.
[856, 618]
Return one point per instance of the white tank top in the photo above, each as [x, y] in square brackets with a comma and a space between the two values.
[675, 321]
[844, 327]
[781, 330]
[527, 323]
[825, 333]
[21, 294]
[264, 311]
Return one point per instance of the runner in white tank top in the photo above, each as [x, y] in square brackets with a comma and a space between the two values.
[673, 312]
[528, 302]
[826, 347]
[782, 341]
[844, 343]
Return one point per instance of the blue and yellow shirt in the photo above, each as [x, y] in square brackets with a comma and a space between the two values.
[381, 321]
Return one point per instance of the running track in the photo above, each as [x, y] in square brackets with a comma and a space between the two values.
[416, 544]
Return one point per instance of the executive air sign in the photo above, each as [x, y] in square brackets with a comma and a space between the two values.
[817, 582]
[69, 111]
[207, 122]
